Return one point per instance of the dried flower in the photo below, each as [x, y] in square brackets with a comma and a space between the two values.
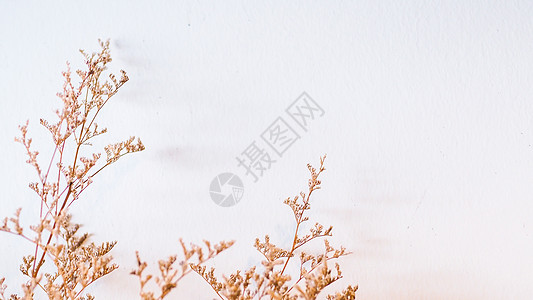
[273, 282]
[75, 262]
[170, 274]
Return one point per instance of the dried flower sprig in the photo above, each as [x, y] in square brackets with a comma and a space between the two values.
[170, 275]
[3, 288]
[273, 282]
[75, 263]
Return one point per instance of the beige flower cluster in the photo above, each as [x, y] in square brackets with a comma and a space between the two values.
[65, 262]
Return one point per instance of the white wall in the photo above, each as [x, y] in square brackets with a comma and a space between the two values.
[428, 127]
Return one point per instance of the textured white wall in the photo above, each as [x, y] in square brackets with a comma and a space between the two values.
[428, 127]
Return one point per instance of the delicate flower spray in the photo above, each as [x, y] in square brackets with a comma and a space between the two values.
[64, 262]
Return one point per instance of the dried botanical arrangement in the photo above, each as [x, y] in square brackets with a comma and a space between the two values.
[65, 262]
[272, 281]
[170, 274]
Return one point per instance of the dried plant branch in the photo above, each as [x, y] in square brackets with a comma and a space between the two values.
[76, 262]
[272, 282]
[299, 209]
[2, 289]
[169, 275]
